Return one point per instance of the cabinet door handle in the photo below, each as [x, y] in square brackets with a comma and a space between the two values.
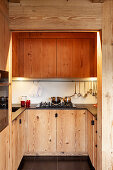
[56, 115]
[20, 121]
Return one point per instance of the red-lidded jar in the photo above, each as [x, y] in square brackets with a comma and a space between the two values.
[23, 101]
[28, 103]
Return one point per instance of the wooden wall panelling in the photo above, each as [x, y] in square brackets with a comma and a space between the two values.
[4, 149]
[33, 15]
[2, 61]
[4, 8]
[10, 101]
[41, 132]
[97, 1]
[107, 86]
[71, 132]
[7, 45]
[4, 37]
[4, 65]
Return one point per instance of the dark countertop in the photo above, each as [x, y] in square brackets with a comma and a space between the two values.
[89, 107]
[17, 113]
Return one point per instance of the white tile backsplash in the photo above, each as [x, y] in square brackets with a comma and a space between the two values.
[42, 91]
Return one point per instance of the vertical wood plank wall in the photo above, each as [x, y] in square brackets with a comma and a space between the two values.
[107, 86]
[4, 35]
[83, 15]
[5, 154]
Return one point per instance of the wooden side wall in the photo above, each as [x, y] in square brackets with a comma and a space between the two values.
[84, 14]
[4, 35]
[107, 86]
[5, 154]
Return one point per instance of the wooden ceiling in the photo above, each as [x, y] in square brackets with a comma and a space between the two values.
[14, 1]
[97, 1]
[94, 1]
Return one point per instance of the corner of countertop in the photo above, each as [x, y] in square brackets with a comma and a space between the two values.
[17, 113]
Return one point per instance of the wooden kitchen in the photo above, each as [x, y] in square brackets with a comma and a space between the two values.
[56, 85]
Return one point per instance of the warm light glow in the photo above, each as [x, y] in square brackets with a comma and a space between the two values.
[98, 42]
[92, 79]
[19, 78]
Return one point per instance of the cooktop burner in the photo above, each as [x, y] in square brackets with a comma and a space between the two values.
[52, 105]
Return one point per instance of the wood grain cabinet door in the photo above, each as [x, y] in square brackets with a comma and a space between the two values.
[15, 144]
[18, 140]
[90, 136]
[64, 58]
[54, 55]
[76, 58]
[71, 127]
[39, 58]
[21, 135]
[95, 143]
[41, 132]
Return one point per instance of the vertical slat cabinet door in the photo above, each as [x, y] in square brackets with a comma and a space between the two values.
[32, 58]
[48, 58]
[15, 55]
[41, 132]
[2, 49]
[90, 133]
[71, 132]
[95, 144]
[81, 58]
[76, 58]
[21, 136]
[64, 58]
[40, 58]
[15, 144]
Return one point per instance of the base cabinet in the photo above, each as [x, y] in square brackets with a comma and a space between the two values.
[18, 140]
[71, 127]
[53, 132]
[92, 138]
[4, 149]
[41, 132]
[56, 134]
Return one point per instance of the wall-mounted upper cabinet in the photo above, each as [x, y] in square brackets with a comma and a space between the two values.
[54, 55]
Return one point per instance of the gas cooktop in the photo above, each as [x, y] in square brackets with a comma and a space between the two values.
[52, 105]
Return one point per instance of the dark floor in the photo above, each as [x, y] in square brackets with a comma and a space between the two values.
[55, 163]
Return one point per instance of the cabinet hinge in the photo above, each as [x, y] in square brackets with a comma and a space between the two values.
[92, 122]
[56, 115]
